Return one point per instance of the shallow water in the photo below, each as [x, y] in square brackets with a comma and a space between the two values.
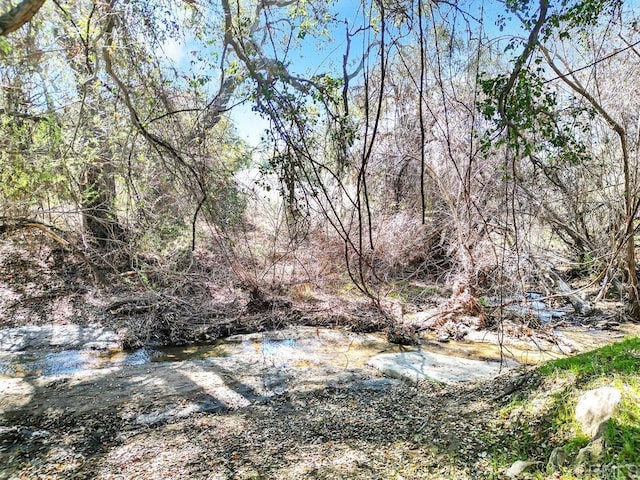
[531, 304]
[301, 347]
[67, 362]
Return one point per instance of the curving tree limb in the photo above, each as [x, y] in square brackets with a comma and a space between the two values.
[530, 46]
[19, 15]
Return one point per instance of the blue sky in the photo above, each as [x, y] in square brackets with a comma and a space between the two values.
[314, 56]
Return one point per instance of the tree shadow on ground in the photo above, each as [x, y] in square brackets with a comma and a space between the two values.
[62, 426]
[203, 419]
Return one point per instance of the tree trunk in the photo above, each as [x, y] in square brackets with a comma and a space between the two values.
[97, 185]
[633, 306]
[98, 205]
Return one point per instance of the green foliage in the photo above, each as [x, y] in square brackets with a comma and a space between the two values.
[227, 203]
[573, 16]
[537, 123]
[563, 17]
[29, 169]
[310, 18]
[535, 126]
[618, 358]
[5, 46]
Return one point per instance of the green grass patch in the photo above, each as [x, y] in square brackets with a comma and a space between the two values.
[536, 421]
[617, 365]
[622, 434]
[618, 358]
[411, 293]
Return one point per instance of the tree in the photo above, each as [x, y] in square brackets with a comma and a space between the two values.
[382, 140]
[527, 113]
[117, 109]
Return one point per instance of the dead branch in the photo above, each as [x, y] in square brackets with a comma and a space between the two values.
[8, 225]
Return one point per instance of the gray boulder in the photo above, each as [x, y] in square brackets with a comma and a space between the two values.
[416, 366]
[595, 407]
[592, 453]
[518, 468]
[557, 459]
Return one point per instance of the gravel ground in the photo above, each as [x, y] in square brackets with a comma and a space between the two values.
[370, 430]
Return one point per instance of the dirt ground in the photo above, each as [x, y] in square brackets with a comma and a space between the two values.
[358, 426]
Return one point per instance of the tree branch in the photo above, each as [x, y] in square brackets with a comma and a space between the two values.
[532, 41]
[19, 15]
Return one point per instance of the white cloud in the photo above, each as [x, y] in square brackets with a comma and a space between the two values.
[175, 50]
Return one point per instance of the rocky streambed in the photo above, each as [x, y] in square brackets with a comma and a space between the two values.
[279, 404]
[48, 368]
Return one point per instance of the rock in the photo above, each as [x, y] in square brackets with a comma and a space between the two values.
[58, 337]
[172, 413]
[519, 467]
[443, 338]
[592, 453]
[38, 434]
[416, 366]
[595, 407]
[557, 459]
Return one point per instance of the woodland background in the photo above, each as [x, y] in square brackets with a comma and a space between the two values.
[472, 149]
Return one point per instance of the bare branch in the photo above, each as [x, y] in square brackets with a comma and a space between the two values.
[26, 116]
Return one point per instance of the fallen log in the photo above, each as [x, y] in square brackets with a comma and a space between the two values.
[581, 306]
